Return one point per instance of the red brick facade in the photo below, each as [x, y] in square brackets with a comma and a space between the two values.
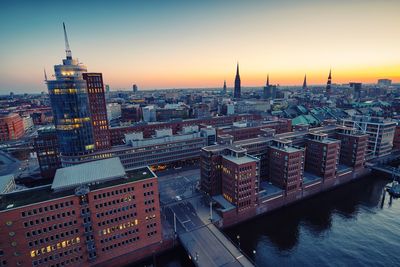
[11, 127]
[82, 231]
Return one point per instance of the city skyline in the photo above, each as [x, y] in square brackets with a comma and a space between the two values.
[137, 43]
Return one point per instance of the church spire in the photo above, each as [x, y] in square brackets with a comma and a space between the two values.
[305, 82]
[45, 74]
[67, 49]
[329, 84]
[237, 90]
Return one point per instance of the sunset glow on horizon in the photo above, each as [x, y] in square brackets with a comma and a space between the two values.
[185, 44]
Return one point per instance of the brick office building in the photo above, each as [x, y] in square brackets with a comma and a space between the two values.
[11, 127]
[322, 155]
[47, 151]
[353, 147]
[286, 166]
[98, 110]
[240, 179]
[91, 214]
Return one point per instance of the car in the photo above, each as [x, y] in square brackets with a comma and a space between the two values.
[178, 198]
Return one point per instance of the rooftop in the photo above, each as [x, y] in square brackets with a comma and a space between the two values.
[268, 189]
[240, 160]
[44, 193]
[87, 173]
[310, 178]
[226, 205]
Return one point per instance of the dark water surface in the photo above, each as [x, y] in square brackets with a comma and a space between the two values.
[344, 227]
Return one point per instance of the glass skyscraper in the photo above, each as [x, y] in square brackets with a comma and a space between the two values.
[70, 105]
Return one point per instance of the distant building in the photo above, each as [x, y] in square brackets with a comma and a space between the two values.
[149, 114]
[98, 110]
[11, 127]
[135, 88]
[396, 138]
[131, 113]
[384, 82]
[356, 90]
[27, 122]
[237, 88]
[105, 214]
[223, 92]
[380, 132]
[172, 111]
[113, 111]
[47, 151]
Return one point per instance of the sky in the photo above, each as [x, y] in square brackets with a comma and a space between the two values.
[191, 44]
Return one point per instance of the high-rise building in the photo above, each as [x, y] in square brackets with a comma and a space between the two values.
[329, 85]
[237, 89]
[98, 110]
[70, 105]
[135, 88]
[47, 150]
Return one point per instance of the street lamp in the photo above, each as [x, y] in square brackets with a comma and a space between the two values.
[238, 238]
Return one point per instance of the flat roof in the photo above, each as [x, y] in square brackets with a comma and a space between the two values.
[86, 173]
[268, 189]
[240, 160]
[44, 193]
[226, 205]
[309, 177]
[289, 149]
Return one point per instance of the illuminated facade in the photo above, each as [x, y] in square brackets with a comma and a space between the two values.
[85, 224]
[98, 110]
[70, 105]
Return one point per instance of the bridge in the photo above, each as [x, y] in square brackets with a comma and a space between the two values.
[205, 244]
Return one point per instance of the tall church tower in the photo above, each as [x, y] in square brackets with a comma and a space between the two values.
[237, 90]
[329, 84]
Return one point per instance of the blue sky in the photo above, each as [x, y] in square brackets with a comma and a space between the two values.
[162, 44]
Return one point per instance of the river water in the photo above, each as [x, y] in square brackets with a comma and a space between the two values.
[347, 226]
